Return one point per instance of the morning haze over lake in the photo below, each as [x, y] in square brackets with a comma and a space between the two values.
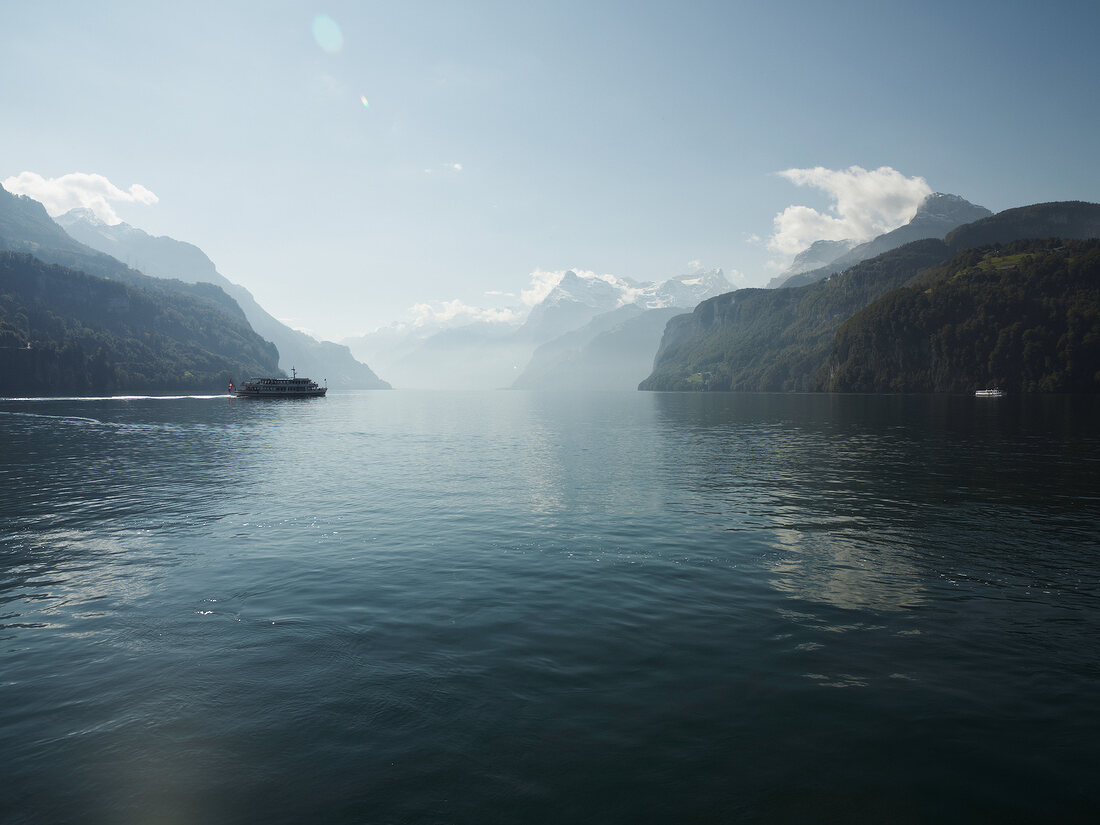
[458, 413]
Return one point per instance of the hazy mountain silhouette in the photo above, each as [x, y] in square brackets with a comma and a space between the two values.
[815, 256]
[165, 257]
[935, 217]
[494, 355]
[613, 351]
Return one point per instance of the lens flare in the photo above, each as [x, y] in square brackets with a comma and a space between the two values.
[366, 103]
[326, 32]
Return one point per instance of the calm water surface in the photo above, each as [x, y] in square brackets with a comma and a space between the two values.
[399, 607]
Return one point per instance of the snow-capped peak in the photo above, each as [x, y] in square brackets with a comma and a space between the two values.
[80, 214]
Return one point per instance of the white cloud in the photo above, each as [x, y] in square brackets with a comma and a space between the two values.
[446, 167]
[78, 189]
[865, 203]
[456, 311]
[541, 285]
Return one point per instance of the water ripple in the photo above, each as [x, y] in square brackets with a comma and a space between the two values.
[408, 607]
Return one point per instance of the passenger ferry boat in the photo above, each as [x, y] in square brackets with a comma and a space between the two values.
[293, 387]
[989, 393]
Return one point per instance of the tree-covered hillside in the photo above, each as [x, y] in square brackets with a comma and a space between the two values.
[774, 340]
[25, 227]
[63, 331]
[779, 340]
[1024, 317]
[77, 321]
[1071, 219]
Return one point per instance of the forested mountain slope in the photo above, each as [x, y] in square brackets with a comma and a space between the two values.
[1023, 317]
[778, 340]
[25, 227]
[64, 332]
[93, 325]
[1066, 219]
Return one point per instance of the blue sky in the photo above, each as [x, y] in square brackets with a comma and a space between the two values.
[500, 139]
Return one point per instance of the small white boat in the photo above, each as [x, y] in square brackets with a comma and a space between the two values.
[989, 394]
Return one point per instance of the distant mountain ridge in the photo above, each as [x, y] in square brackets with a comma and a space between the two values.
[937, 215]
[613, 351]
[25, 226]
[815, 256]
[76, 321]
[575, 300]
[165, 257]
[778, 340]
[1060, 219]
[496, 355]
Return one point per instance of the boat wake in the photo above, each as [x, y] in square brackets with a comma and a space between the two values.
[112, 397]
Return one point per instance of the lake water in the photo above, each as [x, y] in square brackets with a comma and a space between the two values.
[399, 607]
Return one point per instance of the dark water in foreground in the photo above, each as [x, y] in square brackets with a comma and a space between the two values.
[507, 607]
